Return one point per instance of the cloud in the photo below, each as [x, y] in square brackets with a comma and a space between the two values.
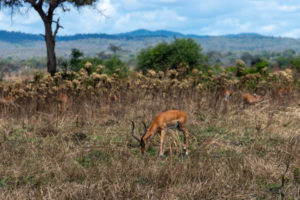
[277, 6]
[153, 20]
[271, 17]
[294, 33]
[106, 8]
[268, 28]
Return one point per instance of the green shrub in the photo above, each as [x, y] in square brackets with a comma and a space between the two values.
[261, 66]
[169, 56]
[76, 58]
[296, 63]
[115, 65]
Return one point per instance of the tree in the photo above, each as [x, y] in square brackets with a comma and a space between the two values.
[169, 56]
[115, 65]
[114, 48]
[247, 58]
[46, 10]
[296, 63]
[76, 58]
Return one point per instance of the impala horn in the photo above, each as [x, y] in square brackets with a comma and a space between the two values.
[145, 129]
[133, 133]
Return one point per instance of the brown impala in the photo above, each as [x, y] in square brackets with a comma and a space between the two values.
[226, 94]
[251, 99]
[62, 100]
[167, 120]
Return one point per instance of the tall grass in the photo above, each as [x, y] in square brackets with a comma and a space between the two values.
[87, 152]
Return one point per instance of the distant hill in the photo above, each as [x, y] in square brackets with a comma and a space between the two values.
[23, 45]
[17, 37]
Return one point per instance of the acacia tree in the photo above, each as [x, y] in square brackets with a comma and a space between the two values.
[46, 10]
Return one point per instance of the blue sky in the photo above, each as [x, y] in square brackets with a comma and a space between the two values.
[202, 17]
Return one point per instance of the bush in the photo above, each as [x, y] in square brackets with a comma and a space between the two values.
[78, 61]
[296, 63]
[262, 66]
[169, 56]
[115, 65]
[76, 58]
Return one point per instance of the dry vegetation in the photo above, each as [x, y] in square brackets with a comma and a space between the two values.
[83, 149]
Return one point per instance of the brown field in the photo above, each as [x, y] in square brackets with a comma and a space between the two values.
[83, 149]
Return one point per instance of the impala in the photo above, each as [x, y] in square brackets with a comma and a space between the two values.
[112, 98]
[62, 100]
[282, 92]
[251, 99]
[172, 119]
[226, 94]
[8, 101]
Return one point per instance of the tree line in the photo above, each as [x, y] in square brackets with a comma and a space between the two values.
[165, 56]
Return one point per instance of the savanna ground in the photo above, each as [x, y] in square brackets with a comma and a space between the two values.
[87, 152]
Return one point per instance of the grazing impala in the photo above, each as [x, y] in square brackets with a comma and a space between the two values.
[251, 99]
[162, 122]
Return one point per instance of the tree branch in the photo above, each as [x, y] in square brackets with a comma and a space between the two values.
[64, 9]
[40, 3]
[57, 27]
[38, 7]
[32, 2]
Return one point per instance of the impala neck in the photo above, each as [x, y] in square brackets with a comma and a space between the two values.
[151, 131]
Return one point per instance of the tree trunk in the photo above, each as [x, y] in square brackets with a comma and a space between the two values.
[50, 45]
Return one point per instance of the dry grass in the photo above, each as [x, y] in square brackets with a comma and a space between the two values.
[88, 152]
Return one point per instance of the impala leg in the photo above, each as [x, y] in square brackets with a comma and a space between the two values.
[186, 136]
[162, 140]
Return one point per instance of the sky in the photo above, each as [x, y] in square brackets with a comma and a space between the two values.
[201, 17]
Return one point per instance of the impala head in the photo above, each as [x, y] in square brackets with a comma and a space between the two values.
[227, 94]
[141, 141]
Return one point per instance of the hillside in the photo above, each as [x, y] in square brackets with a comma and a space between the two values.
[22, 45]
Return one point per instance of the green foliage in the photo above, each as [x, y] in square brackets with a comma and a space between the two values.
[114, 48]
[15, 4]
[115, 65]
[169, 56]
[38, 76]
[247, 58]
[240, 69]
[1, 76]
[63, 64]
[39, 63]
[78, 61]
[261, 67]
[296, 63]
[76, 58]
[296, 174]
[282, 61]
[93, 158]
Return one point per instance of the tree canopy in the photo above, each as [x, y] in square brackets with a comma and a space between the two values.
[169, 56]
